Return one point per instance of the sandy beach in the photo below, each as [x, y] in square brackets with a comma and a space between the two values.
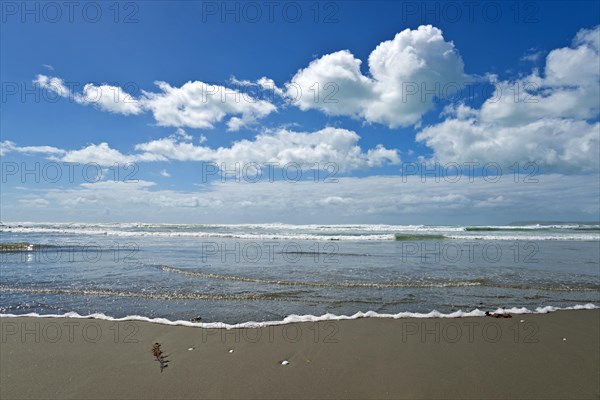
[550, 356]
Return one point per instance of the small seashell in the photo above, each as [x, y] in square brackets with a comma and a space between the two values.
[285, 362]
[231, 350]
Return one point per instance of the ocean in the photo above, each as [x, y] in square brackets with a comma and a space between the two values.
[234, 274]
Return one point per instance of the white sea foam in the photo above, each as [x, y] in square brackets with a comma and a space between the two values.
[201, 235]
[301, 232]
[310, 318]
[527, 236]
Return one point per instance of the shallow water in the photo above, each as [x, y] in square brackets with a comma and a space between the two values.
[237, 273]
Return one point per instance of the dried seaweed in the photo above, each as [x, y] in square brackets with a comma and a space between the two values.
[159, 356]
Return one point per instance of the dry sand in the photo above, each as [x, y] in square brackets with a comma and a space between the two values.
[550, 356]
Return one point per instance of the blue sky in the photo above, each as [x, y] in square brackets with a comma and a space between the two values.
[141, 84]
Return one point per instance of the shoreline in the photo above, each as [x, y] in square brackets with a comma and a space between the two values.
[294, 318]
[554, 355]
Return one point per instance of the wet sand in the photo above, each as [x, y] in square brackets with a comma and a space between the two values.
[549, 356]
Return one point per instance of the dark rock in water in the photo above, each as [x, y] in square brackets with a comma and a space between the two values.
[10, 247]
[197, 319]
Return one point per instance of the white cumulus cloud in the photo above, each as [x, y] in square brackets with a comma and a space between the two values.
[328, 145]
[200, 105]
[53, 84]
[105, 97]
[109, 98]
[402, 73]
[193, 105]
[281, 147]
[549, 118]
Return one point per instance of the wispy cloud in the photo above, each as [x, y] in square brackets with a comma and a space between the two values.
[376, 198]
[9, 147]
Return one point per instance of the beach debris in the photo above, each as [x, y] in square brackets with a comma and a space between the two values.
[191, 348]
[495, 315]
[521, 321]
[231, 350]
[159, 356]
[564, 338]
[156, 350]
[284, 362]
